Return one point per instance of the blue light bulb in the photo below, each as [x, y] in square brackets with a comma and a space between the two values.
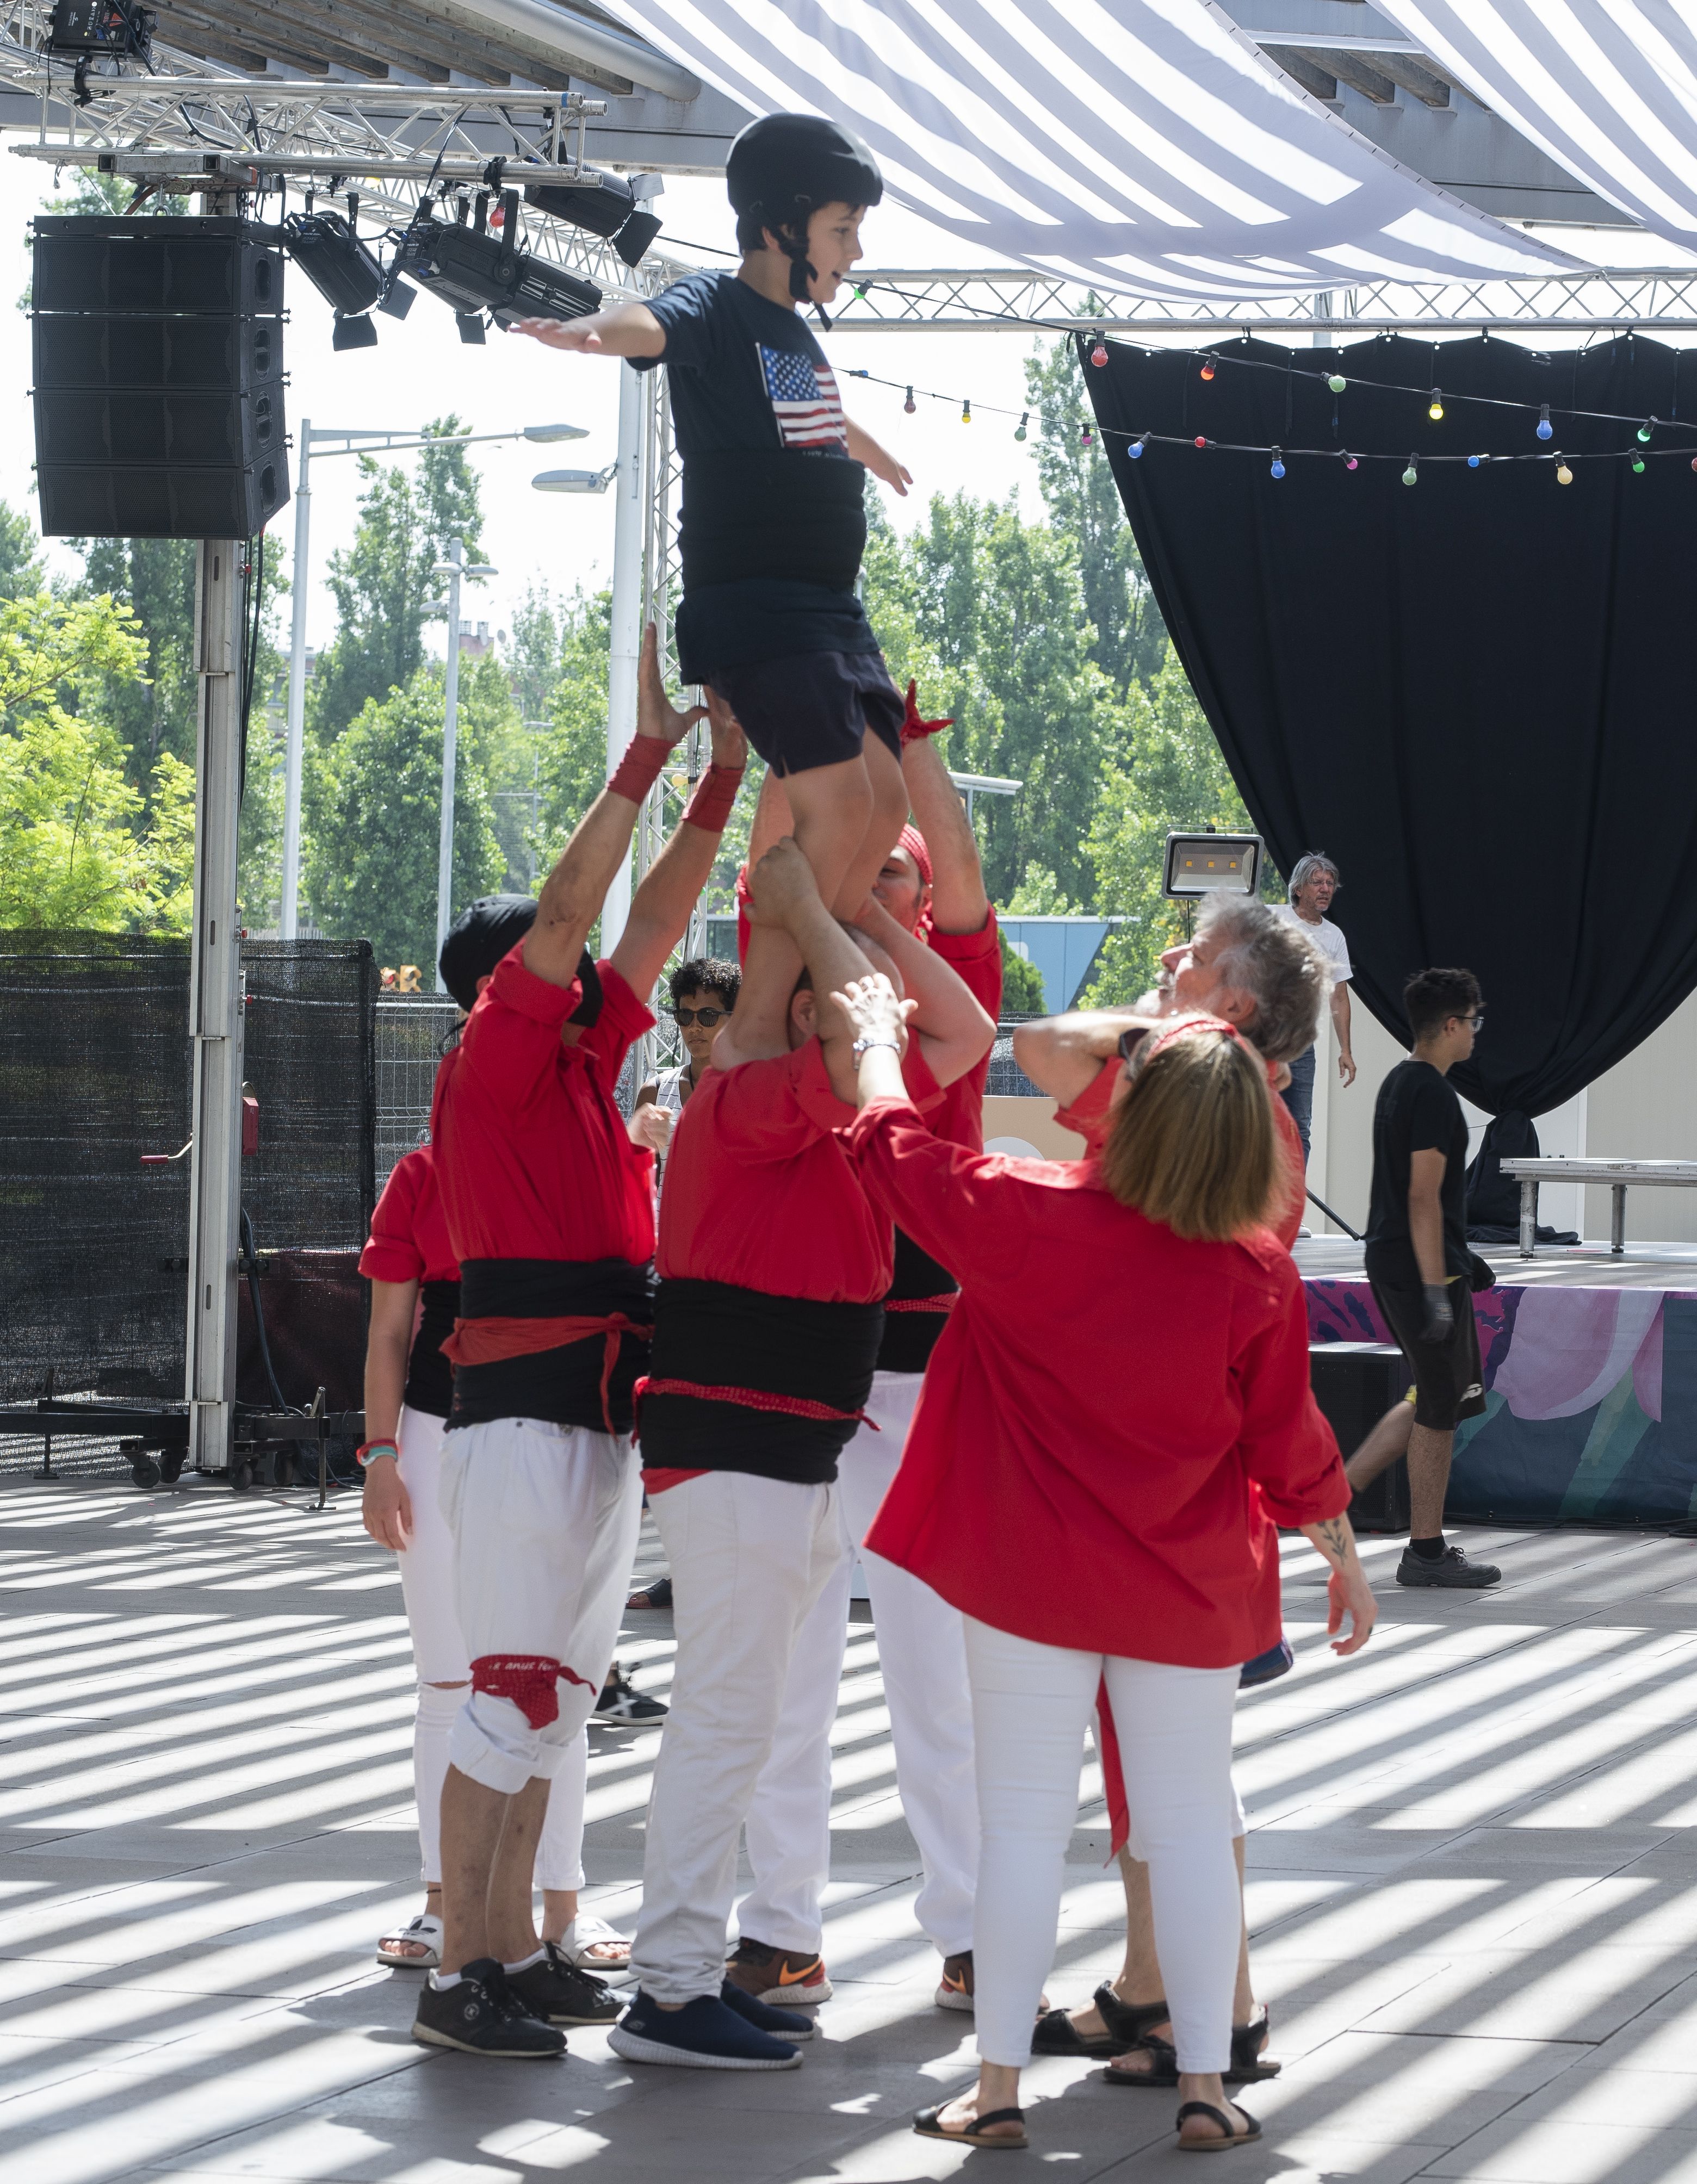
[1278, 464]
[1474, 462]
[1137, 445]
[1544, 428]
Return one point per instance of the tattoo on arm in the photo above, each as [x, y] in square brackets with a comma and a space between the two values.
[1336, 1534]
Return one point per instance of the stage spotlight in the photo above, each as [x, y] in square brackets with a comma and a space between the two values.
[344, 269]
[1198, 864]
[102, 30]
[473, 271]
[610, 207]
[354, 332]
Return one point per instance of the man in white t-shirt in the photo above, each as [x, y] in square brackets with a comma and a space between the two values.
[1313, 884]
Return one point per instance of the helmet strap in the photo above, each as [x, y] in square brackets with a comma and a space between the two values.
[801, 268]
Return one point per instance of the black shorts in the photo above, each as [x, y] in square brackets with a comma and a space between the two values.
[813, 708]
[1449, 1382]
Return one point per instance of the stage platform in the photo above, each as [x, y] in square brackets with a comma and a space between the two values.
[1590, 1369]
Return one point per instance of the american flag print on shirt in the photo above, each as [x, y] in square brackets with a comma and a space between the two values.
[804, 400]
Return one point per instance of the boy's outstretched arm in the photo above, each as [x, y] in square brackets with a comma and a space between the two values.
[861, 447]
[620, 330]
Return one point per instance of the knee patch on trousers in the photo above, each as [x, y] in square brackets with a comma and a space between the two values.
[530, 1680]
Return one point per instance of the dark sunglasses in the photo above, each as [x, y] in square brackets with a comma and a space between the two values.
[706, 1017]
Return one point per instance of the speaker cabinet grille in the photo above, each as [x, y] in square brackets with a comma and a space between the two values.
[158, 352]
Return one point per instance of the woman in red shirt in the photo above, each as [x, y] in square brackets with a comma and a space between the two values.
[1129, 1353]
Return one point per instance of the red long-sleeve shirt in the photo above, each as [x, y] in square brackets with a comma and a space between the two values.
[1079, 1469]
[409, 1240]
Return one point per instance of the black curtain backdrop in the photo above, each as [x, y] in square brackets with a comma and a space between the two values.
[1477, 693]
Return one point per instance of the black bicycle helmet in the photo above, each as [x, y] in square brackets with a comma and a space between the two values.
[784, 166]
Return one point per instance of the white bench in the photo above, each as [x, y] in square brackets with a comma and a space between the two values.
[1557, 1167]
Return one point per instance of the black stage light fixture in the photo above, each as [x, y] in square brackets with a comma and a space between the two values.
[1198, 864]
[475, 272]
[101, 29]
[344, 269]
[608, 207]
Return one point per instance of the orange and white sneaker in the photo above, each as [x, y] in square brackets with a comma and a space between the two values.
[785, 1979]
[954, 1988]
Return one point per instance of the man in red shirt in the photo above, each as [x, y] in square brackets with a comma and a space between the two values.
[1254, 969]
[932, 886]
[774, 1267]
[549, 1210]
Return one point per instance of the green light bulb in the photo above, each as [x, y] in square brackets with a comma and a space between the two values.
[1411, 475]
[1337, 382]
[1637, 462]
[1644, 432]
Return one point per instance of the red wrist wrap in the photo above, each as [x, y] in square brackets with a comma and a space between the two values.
[639, 768]
[715, 793]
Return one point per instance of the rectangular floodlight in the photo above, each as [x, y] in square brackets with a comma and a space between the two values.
[1196, 864]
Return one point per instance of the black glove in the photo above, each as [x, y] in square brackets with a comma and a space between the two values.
[1481, 1275]
[1439, 1318]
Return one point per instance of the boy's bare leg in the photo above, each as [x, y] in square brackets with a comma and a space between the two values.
[833, 807]
[888, 815]
[1387, 1440]
[1140, 1977]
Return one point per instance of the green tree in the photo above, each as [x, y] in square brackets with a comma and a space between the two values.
[572, 749]
[384, 584]
[1172, 776]
[1022, 984]
[22, 573]
[154, 578]
[77, 851]
[1083, 501]
[373, 808]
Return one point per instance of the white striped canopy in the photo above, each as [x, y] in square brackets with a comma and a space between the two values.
[1145, 146]
[1608, 87]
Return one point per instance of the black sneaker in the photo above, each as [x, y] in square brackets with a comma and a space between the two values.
[621, 1700]
[1451, 1570]
[481, 2015]
[781, 2024]
[556, 1991]
[1277, 1660]
[706, 2035]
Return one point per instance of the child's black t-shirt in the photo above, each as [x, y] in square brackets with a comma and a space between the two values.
[1416, 1111]
[773, 506]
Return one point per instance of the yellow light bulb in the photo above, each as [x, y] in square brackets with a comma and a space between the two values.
[1435, 411]
[1563, 474]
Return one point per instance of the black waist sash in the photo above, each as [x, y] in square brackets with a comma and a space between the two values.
[710, 1335]
[777, 512]
[910, 1337]
[429, 1376]
[563, 1384]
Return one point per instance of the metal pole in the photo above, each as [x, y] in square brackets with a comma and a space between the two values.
[215, 1009]
[450, 725]
[629, 529]
[297, 686]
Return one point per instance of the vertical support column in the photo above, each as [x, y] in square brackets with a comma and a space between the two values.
[216, 1008]
[450, 738]
[629, 527]
[288, 923]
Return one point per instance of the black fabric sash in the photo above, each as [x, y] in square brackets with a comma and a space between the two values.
[910, 1337]
[429, 1376]
[561, 1386]
[721, 1336]
[775, 512]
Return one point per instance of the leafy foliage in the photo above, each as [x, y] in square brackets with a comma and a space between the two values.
[1022, 983]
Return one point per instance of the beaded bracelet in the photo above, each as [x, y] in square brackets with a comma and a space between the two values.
[369, 1451]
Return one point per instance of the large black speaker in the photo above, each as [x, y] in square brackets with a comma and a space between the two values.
[1355, 1384]
[158, 355]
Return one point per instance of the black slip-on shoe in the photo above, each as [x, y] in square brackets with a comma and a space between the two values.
[1452, 1570]
[557, 1992]
[480, 2015]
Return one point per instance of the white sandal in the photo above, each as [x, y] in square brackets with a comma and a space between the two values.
[427, 1929]
[587, 1933]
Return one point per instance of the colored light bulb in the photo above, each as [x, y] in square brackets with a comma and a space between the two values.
[1019, 429]
[1474, 462]
[1086, 437]
[1411, 475]
[1349, 463]
[1099, 355]
[1435, 408]
[1638, 463]
[1137, 445]
[1200, 442]
[1646, 429]
[1544, 428]
[1337, 382]
[1563, 474]
[966, 413]
[1278, 464]
[910, 406]
[1208, 369]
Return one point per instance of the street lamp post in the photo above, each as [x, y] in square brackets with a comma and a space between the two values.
[353, 443]
[455, 568]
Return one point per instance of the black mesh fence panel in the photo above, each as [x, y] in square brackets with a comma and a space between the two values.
[94, 1072]
[310, 1057]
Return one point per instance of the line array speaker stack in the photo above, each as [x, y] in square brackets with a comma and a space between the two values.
[159, 386]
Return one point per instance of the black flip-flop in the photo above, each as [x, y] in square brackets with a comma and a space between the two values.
[926, 2124]
[1164, 2058]
[1250, 2064]
[1127, 2024]
[1232, 2136]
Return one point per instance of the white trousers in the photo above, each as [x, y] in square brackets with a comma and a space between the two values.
[922, 1655]
[750, 1558]
[1030, 1706]
[545, 1519]
[438, 1652]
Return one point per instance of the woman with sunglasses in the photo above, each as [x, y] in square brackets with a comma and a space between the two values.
[1128, 1358]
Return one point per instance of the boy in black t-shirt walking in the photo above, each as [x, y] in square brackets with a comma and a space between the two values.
[773, 524]
[1419, 1266]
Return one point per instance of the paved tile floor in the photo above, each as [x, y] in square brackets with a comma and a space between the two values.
[1473, 1885]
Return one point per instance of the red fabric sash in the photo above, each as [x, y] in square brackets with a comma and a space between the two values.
[943, 1303]
[487, 1341]
[750, 1399]
[1113, 1773]
[530, 1680]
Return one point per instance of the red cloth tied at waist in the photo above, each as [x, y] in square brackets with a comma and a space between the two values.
[487, 1341]
[530, 1680]
[750, 1399]
[946, 1302]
